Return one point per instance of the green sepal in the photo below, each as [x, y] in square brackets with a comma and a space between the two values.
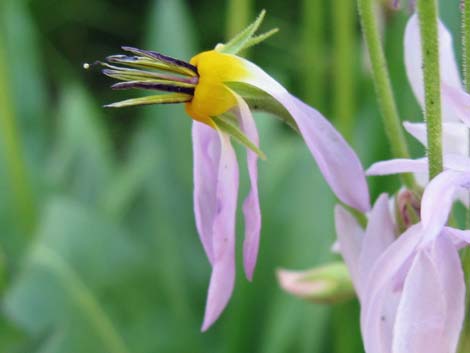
[260, 38]
[228, 123]
[246, 38]
[259, 100]
[155, 99]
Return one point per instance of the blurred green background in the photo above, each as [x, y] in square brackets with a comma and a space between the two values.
[98, 247]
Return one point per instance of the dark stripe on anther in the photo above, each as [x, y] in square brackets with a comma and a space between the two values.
[153, 86]
[161, 57]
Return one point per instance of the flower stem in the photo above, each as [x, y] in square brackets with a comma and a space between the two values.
[238, 16]
[465, 337]
[312, 53]
[344, 60]
[383, 85]
[427, 14]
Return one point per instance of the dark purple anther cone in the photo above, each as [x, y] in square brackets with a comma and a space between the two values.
[153, 86]
[160, 57]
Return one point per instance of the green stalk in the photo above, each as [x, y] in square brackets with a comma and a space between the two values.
[465, 256]
[383, 87]
[312, 53]
[239, 14]
[13, 153]
[427, 14]
[344, 63]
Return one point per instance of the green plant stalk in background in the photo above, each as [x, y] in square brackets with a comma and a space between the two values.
[312, 53]
[383, 85]
[344, 46]
[239, 15]
[465, 338]
[427, 14]
[13, 153]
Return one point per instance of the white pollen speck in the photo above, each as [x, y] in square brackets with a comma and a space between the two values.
[86, 66]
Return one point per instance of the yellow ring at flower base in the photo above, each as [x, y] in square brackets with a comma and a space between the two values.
[211, 97]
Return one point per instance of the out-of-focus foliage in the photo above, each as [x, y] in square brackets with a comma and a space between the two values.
[98, 247]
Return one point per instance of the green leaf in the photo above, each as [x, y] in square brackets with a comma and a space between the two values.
[75, 256]
[82, 161]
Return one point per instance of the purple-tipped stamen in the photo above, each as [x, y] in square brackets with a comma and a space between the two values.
[150, 71]
[153, 86]
[160, 57]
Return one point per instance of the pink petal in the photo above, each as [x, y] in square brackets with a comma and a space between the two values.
[206, 155]
[452, 280]
[417, 130]
[438, 199]
[380, 295]
[397, 166]
[454, 136]
[421, 314]
[380, 233]
[460, 238]
[413, 62]
[337, 161]
[457, 162]
[251, 207]
[223, 241]
[459, 100]
[350, 236]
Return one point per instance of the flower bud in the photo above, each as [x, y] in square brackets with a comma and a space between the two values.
[329, 284]
[407, 208]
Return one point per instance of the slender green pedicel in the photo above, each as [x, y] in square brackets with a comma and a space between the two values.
[427, 14]
[383, 87]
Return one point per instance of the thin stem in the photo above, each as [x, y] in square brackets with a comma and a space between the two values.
[465, 256]
[238, 16]
[427, 14]
[344, 45]
[13, 153]
[312, 53]
[383, 87]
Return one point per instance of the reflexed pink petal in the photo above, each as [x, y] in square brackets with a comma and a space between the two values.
[397, 166]
[421, 315]
[380, 233]
[420, 168]
[379, 299]
[337, 161]
[350, 236]
[417, 130]
[457, 162]
[223, 241]
[251, 208]
[460, 238]
[460, 100]
[454, 136]
[206, 154]
[451, 277]
[413, 62]
[438, 198]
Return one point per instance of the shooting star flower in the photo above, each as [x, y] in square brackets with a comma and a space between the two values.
[411, 287]
[218, 89]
